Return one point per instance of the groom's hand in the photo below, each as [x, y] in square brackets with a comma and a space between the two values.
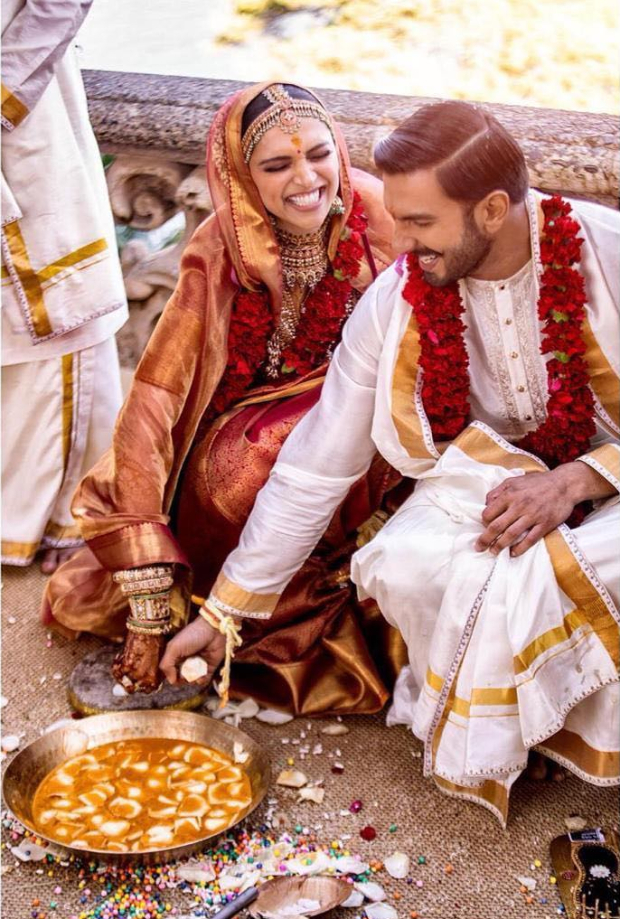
[523, 509]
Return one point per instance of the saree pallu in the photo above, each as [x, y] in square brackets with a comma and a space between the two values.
[321, 651]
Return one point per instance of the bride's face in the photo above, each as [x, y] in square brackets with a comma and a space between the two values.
[297, 175]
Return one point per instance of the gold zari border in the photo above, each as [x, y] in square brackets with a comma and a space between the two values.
[405, 416]
[33, 281]
[56, 532]
[28, 279]
[67, 407]
[19, 549]
[230, 594]
[603, 380]
[607, 456]
[481, 447]
[603, 764]
[493, 794]
[68, 261]
[13, 109]
[482, 696]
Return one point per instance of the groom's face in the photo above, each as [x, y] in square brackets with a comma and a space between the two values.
[441, 231]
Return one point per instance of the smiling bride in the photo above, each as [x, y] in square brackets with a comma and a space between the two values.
[236, 361]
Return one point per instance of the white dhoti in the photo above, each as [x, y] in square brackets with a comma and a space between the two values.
[505, 654]
[57, 419]
[500, 659]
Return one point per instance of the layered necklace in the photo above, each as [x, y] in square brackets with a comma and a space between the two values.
[304, 263]
[569, 425]
[309, 327]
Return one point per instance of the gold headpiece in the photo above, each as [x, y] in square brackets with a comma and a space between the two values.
[285, 113]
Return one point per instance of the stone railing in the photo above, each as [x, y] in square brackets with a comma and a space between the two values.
[156, 127]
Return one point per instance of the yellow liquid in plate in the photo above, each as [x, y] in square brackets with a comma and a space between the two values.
[134, 795]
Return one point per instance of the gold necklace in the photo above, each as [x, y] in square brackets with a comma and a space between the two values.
[304, 263]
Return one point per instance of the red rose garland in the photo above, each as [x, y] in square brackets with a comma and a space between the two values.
[566, 432]
[324, 313]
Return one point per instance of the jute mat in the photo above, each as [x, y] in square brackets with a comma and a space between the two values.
[382, 768]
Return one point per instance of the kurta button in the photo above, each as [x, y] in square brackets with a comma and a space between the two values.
[508, 321]
[520, 388]
[528, 417]
[514, 354]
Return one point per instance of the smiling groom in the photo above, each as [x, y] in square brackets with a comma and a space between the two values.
[483, 365]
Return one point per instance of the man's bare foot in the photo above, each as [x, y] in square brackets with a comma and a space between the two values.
[539, 768]
[53, 558]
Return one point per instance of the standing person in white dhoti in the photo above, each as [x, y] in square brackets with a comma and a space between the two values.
[483, 365]
[62, 288]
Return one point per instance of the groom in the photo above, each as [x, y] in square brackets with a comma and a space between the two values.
[483, 365]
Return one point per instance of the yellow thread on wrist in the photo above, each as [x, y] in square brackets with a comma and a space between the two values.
[227, 627]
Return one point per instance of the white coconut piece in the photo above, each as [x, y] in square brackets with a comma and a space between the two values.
[335, 730]
[273, 717]
[354, 900]
[371, 890]
[248, 708]
[10, 743]
[193, 668]
[318, 865]
[128, 808]
[75, 743]
[202, 872]
[349, 864]
[314, 794]
[292, 778]
[239, 754]
[230, 710]
[397, 865]
[3, 701]
[380, 911]
[119, 691]
[160, 834]
[114, 828]
[228, 882]
[528, 883]
[28, 851]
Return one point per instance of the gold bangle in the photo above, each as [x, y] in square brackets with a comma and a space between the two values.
[127, 575]
[154, 585]
[139, 627]
[150, 607]
[230, 629]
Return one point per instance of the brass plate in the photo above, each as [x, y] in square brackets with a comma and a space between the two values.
[30, 766]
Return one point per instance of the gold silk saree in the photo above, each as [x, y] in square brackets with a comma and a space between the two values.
[173, 489]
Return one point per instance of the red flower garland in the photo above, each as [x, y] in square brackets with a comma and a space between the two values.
[566, 432]
[324, 313]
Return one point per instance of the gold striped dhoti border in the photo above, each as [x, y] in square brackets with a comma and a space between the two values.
[33, 283]
[13, 109]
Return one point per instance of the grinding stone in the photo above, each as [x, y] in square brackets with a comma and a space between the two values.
[91, 684]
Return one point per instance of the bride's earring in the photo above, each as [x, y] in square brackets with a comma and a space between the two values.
[337, 206]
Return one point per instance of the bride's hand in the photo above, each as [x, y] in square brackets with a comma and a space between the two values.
[138, 662]
[196, 638]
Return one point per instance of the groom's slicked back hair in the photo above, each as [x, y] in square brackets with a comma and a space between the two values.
[470, 151]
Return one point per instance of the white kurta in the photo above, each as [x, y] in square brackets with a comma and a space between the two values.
[503, 658]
